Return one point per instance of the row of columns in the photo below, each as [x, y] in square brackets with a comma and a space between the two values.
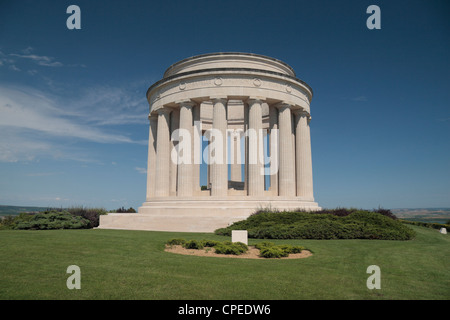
[294, 175]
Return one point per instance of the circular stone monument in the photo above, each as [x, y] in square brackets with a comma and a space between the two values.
[239, 123]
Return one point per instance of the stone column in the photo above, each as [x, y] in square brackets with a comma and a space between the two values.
[286, 182]
[274, 149]
[197, 148]
[151, 164]
[173, 167]
[303, 161]
[208, 166]
[235, 156]
[219, 167]
[246, 147]
[293, 148]
[162, 153]
[256, 151]
[185, 167]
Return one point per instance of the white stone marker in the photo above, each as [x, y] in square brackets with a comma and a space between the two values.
[239, 236]
[443, 231]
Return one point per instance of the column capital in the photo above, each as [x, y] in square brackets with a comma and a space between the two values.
[218, 99]
[255, 100]
[164, 110]
[186, 103]
[152, 116]
[283, 105]
[301, 113]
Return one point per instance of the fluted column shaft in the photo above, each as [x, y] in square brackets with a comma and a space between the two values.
[246, 155]
[274, 149]
[185, 167]
[196, 148]
[286, 182]
[255, 166]
[162, 154]
[303, 156]
[173, 146]
[219, 168]
[151, 163]
[235, 156]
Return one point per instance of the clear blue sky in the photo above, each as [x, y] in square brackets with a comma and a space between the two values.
[73, 112]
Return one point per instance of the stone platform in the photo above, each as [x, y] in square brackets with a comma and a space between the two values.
[193, 215]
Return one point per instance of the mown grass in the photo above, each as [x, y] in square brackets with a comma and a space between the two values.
[117, 264]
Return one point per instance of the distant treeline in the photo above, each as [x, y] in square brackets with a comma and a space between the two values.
[15, 210]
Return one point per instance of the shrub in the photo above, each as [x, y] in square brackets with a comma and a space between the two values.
[210, 243]
[193, 244]
[272, 252]
[51, 220]
[331, 224]
[241, 245]
[291, 249]
[263, 244]
[7, 222]
[174, 242]
[91, 214]
[11, 222]
[228, 247]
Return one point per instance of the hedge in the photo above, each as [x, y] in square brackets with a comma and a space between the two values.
[358, 224]
[50, 220]
[270, 250]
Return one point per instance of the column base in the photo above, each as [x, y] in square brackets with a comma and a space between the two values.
[198, 215]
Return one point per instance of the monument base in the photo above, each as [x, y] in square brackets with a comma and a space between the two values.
[195, 215]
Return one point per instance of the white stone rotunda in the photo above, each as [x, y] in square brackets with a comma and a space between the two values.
[255, 114]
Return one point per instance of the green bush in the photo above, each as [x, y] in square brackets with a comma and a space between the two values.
[50, 220]
[270, 250]
[350, 224]
[173, 242]
[91, 214]
[264, 244]
[228, 247]
[10, 222]
[210, 243]
[291, 249]
[7, 222]
[80, 214]
[193, 244]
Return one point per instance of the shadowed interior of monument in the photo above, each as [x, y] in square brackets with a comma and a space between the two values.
[236, 167]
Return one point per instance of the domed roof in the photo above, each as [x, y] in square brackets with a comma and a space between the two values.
[229, 60]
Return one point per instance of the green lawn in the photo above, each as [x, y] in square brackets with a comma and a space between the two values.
[133, 265]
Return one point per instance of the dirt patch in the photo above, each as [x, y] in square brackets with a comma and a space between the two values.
[252, 253]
